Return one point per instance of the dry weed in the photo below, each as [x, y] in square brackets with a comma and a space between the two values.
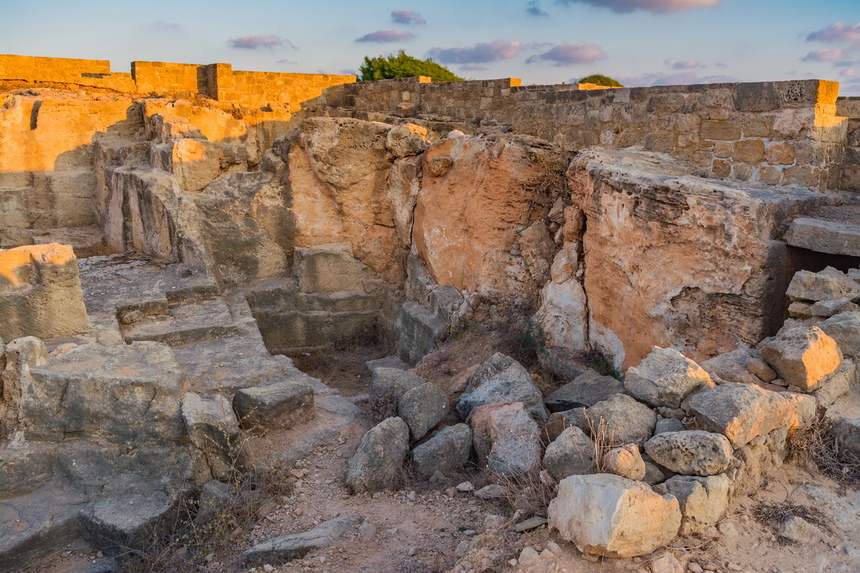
[774, 514]
[528, 494]
[818, 444]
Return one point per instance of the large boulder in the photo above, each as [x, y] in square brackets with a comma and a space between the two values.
[214, 430]
[829, 284]
[379, 458]
[621, 420]
[844, 328]
[703, 500]
[447, 451]
[388, 385]
[422, 408]
[585, 390]
[278, 405]
[691, 452]
[501, 379]
[802, 355]
[572, 453]
[664, 378]
[506, 439]
[604, 514]
[741, 412]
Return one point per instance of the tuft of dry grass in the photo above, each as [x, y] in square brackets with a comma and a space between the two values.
[818, 444]
[528, 494]
[774, 514]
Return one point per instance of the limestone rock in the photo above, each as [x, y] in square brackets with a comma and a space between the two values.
[501, 379]
[625, 461]
[506, 438]
[571, 453]
[804, 407]
[40, 293]
[388, 385]
[668, 425]
[278, 405]
[379, 458]
[828, 284]
[558, 422]
[844, 328]
[799, 531]
[585, 390]
[213, 428]
[664, 378]
[703, 500]
[741, 412]
[420, 330]
[447, 451]
[803, 356]
[691, 452]
[732, 367]
[280, 550]
[406, 140]
[836, 385]
[608, 515]
[115, 525]
[478, 195]
[422, 408]
[21, 353]
[667, 563]
[624, 419]
[845, 416]
[329, 268]
[562, 313]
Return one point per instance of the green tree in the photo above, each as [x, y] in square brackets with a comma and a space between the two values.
[601, 80]
[401, 65]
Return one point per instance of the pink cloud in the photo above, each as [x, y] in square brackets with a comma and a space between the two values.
[656, 6]
[674, 79]
[686, 64]
[825, 55]
[407, 17]
[257, 42]
[838, 32]
[477, 54]
[386, 36]
[570, 55]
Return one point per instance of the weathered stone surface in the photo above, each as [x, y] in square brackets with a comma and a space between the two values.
[668, 425]
[501, 379]
[115, 525]
[802, 355]
[278, 405]
[664, 378]
[691, 452]
[741, 412]
[388, 385]
[329, 268]
[560, 421]
[585, 390]
[571, 453]
[845, 416]
[447, 451]
[283, 549]
[422, 408]
[712, 242]
[703, 500]
[25, 467]
[477, 197]
[805, 408]
[40, 293]
[213, 428]
[379, 458]
[406, 140]
[21, 353]
[420, 330]
[828, 284]
[562, 313]
[506, 438]
[625, 461]
[836, 385]
[823, 236]
[604, 514]
[624, 419]
[844, 328]
[798, 530]
[732, 367]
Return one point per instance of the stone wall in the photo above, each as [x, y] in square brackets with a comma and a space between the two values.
[94, 73]
[780, 133]
[849, 107]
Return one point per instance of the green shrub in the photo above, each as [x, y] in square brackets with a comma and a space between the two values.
[601, 80]
[402, 65]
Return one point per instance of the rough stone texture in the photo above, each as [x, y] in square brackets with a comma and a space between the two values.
[280, 550]
[624, 419]
[422, 408]
[115, 525]
[21, 353]
[836, 385]
[506, 439]
[447, 451]
[213, 428]
[732, 367]
[805, 408]
[845, 416]
[387, 387]
[328, 268]
[278, 405]
[585, 390]
[608, 515]
[720, 272]
[501, 379]
[664, 378]
[741, 412]
[571, 453]
[703, 500]
[379, 458]
[691, 452]
[40, 293]
[420, 330]
[844, 328]
[626, 462]
[668, 425]
[560, 421]
[563, 310]
[479, 197]
[802, 355]
[829, 284]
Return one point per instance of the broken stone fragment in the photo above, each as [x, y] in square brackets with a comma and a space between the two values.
[572, 453]
[625, 461]
[118, 524]
[506, 438]
[691, 452]
[282, 549]
[447, 451]
[703, 500]
[802, 355]
[604, 514]
[844, 328]
[387, 387]
[829, 284]
[732, 367]
[664, 378]
[279, 405]
[621, 420]
[585, 390]
[501, 379]
[422, 408]
[420, 330]
[377, 462]
[213, 428]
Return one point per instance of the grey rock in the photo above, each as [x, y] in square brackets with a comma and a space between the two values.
[422, 408]
[732, 367]
[447, 451]
[703, 500]
[213, 428]
[845, 416]
[824, 236]
[844, 328]
[420, 330]
[279, 405]
[828, 284]
[625, 461]
[741, 412]
[491, 491]
[506, 438]
[392, 361]
[585, 390]
[668, 425]
[799, 531]
[572, 453]
[653, 473]
[691, 452]
[624, 419]
[379, 458]
[836, 385]
[664, 378]
[28, 352]
[25, 466]
[827, 308]
[387, 386]
[283, 549]
[115, 525]
[529, 524]
[501, 379]
[214, 496]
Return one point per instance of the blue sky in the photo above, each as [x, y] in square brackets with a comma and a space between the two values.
[640, 42]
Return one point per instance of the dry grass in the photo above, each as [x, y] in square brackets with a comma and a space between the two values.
[774, 514]
[528, 494]
[818, 445]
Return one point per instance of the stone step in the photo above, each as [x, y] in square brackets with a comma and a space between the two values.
[187, 323]
[834, 230]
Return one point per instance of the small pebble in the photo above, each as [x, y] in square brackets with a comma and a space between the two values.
[694, 567]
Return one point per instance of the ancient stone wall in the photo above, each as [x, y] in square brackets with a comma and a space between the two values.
[95, 73]
[780, 133]
[849, 107]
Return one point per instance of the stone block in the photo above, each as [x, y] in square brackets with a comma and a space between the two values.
[279, 405]
[506, 439]
[328, 268]
[285, 548]
[420, 329]
[585, 390]
[823, 236]
[379, 459]
[691, 452]
[844, 328]
[622, 420]
[702, 500]
[213, 428]
[749, 151]
[720, 130]
[664, 378]
[422, 408]
[803, 356]
[501, 379]
[447, 451]
[128, 522]
[571, 453]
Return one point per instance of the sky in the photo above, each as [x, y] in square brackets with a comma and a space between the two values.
[638, 42]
